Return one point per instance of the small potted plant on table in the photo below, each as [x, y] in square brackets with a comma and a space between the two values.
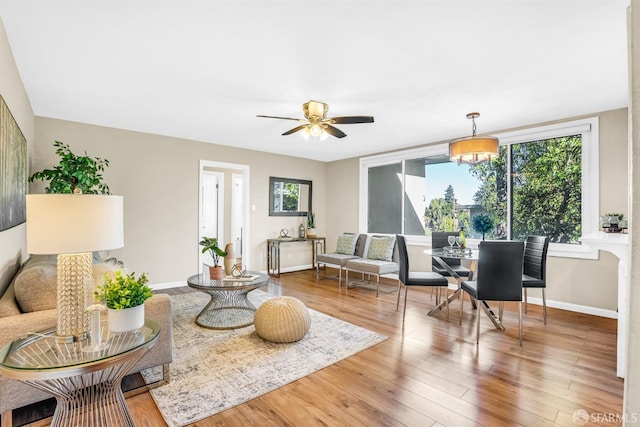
[210, 244]
[482, 223]
[311, 225]
[124, 296]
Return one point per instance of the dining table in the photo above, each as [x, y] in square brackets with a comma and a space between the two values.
[439, 255]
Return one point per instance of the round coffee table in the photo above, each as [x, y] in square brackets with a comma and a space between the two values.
[229, 307]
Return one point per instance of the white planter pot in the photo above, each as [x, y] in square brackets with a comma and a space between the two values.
[126, 320]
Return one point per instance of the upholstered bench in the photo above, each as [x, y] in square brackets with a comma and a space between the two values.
[350, 246]
[381, 257]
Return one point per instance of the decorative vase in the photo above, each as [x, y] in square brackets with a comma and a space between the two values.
[215, 272]
[311, 232]
[126, 320]
[230, 259]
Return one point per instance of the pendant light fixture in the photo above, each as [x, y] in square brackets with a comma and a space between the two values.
[474, 149]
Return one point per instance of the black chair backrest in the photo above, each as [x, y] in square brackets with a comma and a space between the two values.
[500, 270]
[439, 239]
[360, 244]
[535, 257]
[403, 257]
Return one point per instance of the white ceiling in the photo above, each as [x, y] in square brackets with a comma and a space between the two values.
[202, 70]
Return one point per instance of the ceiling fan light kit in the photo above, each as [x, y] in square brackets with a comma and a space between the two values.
[474, 149]
[317, 124]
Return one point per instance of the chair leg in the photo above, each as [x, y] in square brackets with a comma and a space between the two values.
[525, 301]
[377, 285]
[478, 326]
[500, 310]
[520, 321]
[399, 290]
[446, 299]
[461, 303]
[544, 306]
[404, 311]
[339, 276]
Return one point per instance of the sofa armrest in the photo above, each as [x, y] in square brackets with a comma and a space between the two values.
[14, 327]
[159, 309]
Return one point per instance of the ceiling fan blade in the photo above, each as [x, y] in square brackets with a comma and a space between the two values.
[294, 130]
[334, 131]
[277, 117]
[351, 119]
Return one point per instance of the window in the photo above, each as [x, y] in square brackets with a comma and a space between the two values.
[545, 181]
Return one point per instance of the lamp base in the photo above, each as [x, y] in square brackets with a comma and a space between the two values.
[74, 291]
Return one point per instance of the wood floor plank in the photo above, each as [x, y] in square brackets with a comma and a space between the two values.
[430, 372]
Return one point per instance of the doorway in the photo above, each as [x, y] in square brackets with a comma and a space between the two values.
[223, 207]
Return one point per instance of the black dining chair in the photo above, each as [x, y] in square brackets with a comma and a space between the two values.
[499, 277]
[415, 278]
[439, 239]
[534, 273]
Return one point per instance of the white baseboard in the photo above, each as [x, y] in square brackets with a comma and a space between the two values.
[595, 311]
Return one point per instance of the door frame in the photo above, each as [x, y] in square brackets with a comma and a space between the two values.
[245, 201]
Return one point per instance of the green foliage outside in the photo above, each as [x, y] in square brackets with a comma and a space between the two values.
[546, 185]
[74, 172]
[123, 291]
[440, 216]
[290, 197]
[546, 189]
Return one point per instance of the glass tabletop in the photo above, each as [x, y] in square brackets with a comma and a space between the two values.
[466, 253]
[41, 351]
[251, 280]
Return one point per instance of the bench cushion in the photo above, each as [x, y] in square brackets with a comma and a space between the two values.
[373, 266]
[334, 259]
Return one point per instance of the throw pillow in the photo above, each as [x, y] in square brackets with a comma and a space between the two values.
[347, 244]
[35, 287]
[381, 248]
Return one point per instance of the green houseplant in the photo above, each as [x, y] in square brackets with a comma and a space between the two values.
[482, 223]
[210, 244]
[74, 174]
[311, 224]
[124, 295]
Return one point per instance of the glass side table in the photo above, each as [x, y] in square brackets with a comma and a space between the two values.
[86, 385]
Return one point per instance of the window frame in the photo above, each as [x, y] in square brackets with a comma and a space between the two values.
[588, 128]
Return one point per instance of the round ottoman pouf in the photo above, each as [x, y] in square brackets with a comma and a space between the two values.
[282, 319]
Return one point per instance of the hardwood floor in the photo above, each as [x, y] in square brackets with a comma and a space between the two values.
[431, 373]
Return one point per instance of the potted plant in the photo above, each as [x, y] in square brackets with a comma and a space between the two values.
[74, 174]
[311, 224]
[210, 244]
[124, 295]
[482, 223]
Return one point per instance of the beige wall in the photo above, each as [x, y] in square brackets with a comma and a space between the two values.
[631, 404]
[13, 241]
[159, 177]
[591, 283]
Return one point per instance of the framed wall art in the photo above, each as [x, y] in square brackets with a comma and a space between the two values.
[13, 170]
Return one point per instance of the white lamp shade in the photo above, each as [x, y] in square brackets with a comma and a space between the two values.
[74, 223]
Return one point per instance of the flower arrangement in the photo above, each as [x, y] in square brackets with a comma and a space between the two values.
[123, 291]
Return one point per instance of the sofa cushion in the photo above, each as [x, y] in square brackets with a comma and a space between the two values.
[381, 248]
[346, 243]
[35, 287]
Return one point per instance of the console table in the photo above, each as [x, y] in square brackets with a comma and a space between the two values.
[273, 251]
[617, 244]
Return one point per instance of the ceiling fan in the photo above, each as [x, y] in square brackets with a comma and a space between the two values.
[316, 122]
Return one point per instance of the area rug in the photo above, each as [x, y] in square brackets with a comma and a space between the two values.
[215, 370]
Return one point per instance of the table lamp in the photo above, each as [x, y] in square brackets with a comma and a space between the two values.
[73, 226]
